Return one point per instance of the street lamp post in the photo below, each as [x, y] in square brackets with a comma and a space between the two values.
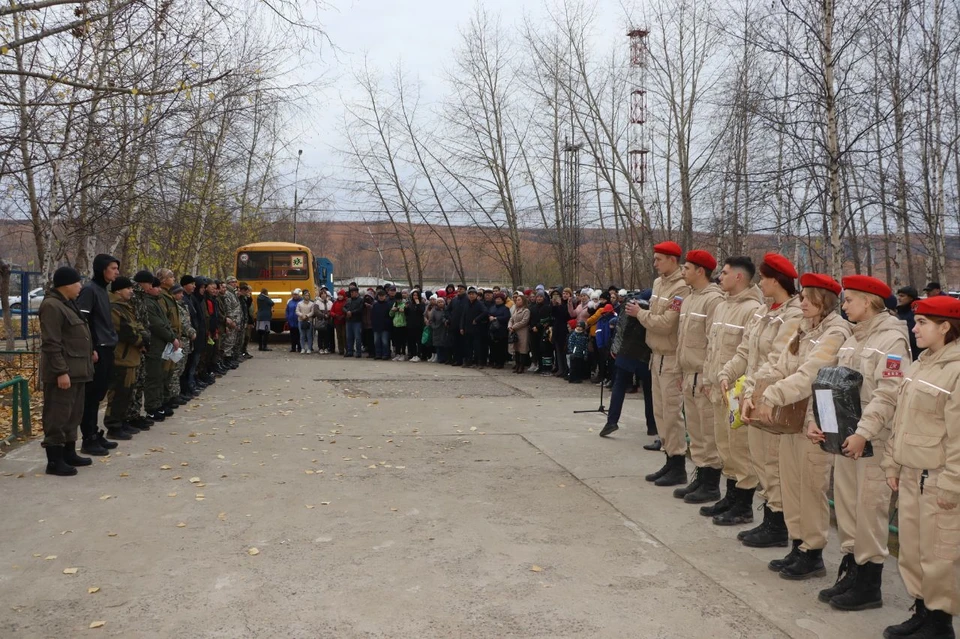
[296, 202]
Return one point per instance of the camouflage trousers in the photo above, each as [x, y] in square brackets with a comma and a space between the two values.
[229, 342]
[136, 400]
[173, 381]
[241, 344]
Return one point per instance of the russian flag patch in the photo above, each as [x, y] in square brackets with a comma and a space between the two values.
[893, 368]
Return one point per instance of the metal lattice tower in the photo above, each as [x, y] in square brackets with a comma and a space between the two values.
[639, 149]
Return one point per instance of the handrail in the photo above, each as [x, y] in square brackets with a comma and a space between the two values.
[21, 408]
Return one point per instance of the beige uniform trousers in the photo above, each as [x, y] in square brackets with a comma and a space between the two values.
[698, 411]
[765, 459]
[733, 447]
[861, 500]
[668, 403]
[804, 479]
[929, 544]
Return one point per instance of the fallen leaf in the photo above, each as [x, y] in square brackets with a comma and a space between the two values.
[536, 568]
[401, 467]
[98, 624]
[171, 494]
[200, 485]
[69, 571]
[194, 480]
[222, 516]
[175, 477]
[372, 466]
[310, 507]
[50, 557]
[109, 534]
[324, 503]
[220, 457]
[124, 474]
[165, 467]
[473, 428]
[184, 464]
[181, 525]
[105, 497]
[253, 552]
[309, 472]
[93, 590]
[393, 510]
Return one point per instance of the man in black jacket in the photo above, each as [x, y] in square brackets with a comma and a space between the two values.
[631, 357]
[458, 307]
[188, 381]
[94, 305]
[353, 309]
[473, 322]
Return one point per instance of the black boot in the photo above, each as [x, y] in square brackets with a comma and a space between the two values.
[130, 429]
[937, 625]
[756, 530]
[676, 473]
[156, 415]
[71, 457]
[724, 504]
[167, 410]
[55, 463]
[103, 441]
[709, 489]
[680, 493]
[608, 429]
[808, 564]
[119, 433]
[93, 447]
[660, 473]
[741, 512]
[775, 534]
[654, 445]
[778, 564]
[865, 593]
[846, 577]
[911, 625]
[143, 423]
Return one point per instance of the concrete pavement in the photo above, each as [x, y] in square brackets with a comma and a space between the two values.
[352, 498]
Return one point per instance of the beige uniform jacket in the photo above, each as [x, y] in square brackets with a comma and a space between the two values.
[767, 335]
[663, 318]
[926, 425]
[730, 322]
[879, 349]
[696, 318]
[796, 372]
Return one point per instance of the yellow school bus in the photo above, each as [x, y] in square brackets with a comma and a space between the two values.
[280, 267]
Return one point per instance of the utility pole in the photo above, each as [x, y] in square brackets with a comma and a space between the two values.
[296, 202]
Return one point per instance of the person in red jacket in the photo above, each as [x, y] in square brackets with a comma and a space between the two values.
[340, 321]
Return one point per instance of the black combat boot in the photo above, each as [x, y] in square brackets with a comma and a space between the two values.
[846, 577]
[741, 512]
[778, 564]
[102, 440]
[156, 415]
[680, 493]
[756, 530]
[911, 625]
[807, 565]
[167, 410]
[709, 489]
[71, 457]
[865, 593]
[937, 625]
[55, 463]
[130, 429]
[660, 473]
[93, 447]
[608, 429]
[775, 534]
[119, 433]
[724, 504]
[143, 423]
[676, 473]
[654, 445]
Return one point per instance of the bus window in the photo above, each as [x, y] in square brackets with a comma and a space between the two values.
[272, 265]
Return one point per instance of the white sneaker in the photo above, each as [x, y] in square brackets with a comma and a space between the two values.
[414, 359]
[396, 359]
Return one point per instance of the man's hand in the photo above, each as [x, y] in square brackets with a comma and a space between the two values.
[176, 344]
[893, 483]
[633, 309]
[853, 446]
[946, 505]
[96, 357]
[814, 434]
[724, 386]
[463, 332]
[63, 381]
[746, 411]
[231, 323]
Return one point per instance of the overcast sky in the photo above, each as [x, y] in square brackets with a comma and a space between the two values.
[423, 34]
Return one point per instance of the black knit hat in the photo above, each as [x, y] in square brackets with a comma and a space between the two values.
[121, 283]
[143, 277]
[187, 279]
[65, 276]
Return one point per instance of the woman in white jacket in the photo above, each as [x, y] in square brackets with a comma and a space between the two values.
[305, 316]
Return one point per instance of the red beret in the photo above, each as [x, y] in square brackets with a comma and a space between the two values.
[866, 284]
[938, 306]
[441, 293]
[780, 264]
[342, 292]
[572, 323]
[819, 280]
[528, 292]
[702, 258]
[668, 248]
[607, 308]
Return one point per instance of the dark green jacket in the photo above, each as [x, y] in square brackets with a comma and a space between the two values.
[65, 342]
[161, 333]
[131, 334]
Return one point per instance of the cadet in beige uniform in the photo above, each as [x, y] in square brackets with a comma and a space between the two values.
[922, 461]
[741, 301]
[767, 335]
[804, 467]
[661, 322]
[696, 318]
[878, 350]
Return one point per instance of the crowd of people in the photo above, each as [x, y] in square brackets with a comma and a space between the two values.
[145, 346]
[721, 360]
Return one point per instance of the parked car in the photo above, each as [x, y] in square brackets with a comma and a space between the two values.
[35, 296]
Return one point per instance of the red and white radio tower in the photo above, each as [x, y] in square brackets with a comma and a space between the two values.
[639, 150]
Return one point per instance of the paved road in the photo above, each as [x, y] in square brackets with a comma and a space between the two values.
[347, 498]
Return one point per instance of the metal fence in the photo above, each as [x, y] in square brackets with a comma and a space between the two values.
[20, 427]
[26, 293]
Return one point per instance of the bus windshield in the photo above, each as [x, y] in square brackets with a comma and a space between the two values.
[272, 265]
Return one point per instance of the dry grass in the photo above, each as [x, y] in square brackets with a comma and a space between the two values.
[33, 327]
